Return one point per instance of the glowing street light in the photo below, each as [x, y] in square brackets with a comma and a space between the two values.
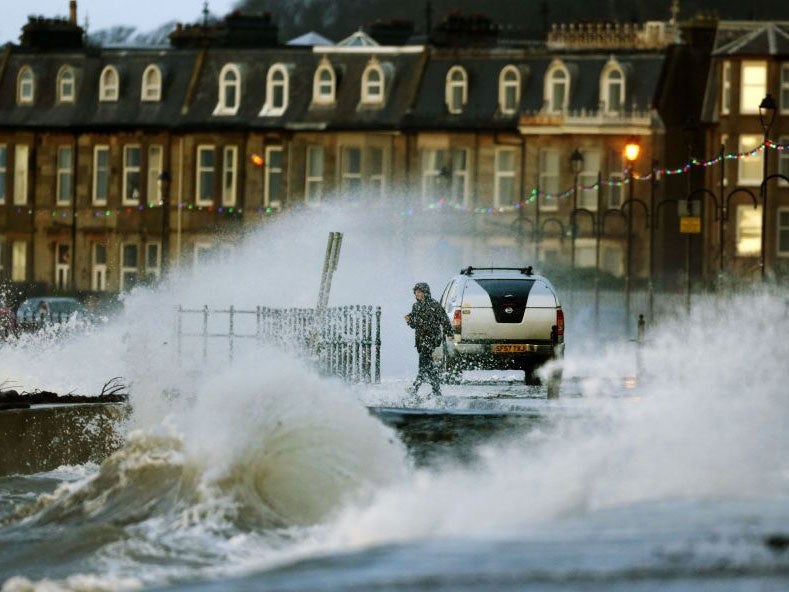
[631, 152]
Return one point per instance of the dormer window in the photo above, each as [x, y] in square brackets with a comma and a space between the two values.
[323, 84]
[509, 90]
[456, 92]
[229, 90]
[612, 87]
[276, 91]
[373, 83]
[557, 88]
[25, 86]
[109, 84]
[151, 84]
[65, 90]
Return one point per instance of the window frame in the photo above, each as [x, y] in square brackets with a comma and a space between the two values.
[606, 90]
[19, 257]
[225, 86]
[129, 171]
[62, 265]
[25, 79]
[270, 107]
[155, 168]
[125, 269]
[109, 85]
[98, 270]
[21, 174]
[501, 176]
[273, 171]
[551, 82]
[755, 214]
[62, 95]
[783, 160]
[313, 180]
[453, 102]
[229, 172]
[593, 156]
[756, 161]
[318, 85]
[205, 176]
[152, 272]
[373, 92]
[151, 90]
[351, 180]
[783, 92]
[726, 69]
[96, 198]
[64, 175]
[509, 89]
[545, 175]
[746, 107]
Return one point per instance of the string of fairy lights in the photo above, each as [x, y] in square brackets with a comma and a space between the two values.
[531, 197]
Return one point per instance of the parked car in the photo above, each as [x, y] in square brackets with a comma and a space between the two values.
[39, 311]
[503, 318]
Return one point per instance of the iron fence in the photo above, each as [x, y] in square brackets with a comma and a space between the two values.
[342, 341]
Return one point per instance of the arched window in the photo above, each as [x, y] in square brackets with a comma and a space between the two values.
[109, 84]
[277, 83]
[612, 87]
[65, 89]
[456, 92]
[229, 90]
[557, 88]
[25, 86]
[373, 83]
[509, 90]
[323, 84]
[151, 84]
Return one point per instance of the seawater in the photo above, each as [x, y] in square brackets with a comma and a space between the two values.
[261, 475]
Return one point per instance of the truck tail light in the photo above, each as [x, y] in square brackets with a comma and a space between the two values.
[560, 321]
[457, 321]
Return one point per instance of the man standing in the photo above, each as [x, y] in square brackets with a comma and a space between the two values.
[430, 324]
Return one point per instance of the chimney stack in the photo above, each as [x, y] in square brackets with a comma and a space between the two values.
[72, 12]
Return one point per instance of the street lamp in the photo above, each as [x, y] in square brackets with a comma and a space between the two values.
[766, 115]
[577, 163]
[631, 152]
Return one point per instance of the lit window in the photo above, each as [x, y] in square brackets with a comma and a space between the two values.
[549, 179]
[25, 86]
[101, 175]
[151, 84]
[65, 172]
[749, 230]
[18, 261]
[313, 188]
[155, 166]
[229, 175]
[109, 84]
[323, 84]
[373, 83]
[274, 191]
[504, 182]
[130, 275]
[753, 87]
[557, 88]
[749, 170]
[509, 90]
[229, 90]
[456, 92]
[21, 173]
[205, 175]
[612, 88]
[132, 161]
[66, 85]
[277, 84]
[725, 87]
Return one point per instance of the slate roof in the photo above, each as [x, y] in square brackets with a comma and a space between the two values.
[748, 38]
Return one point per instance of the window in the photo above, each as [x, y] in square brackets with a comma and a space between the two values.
[276, 91]
[151, 84]
[313, 187]
[616, 178]
[783, 232]
[351, 168]
[375, 172]
[3, 172]
[229, 90]
[725, 87]
[98, 267]
[557, 88]
[274, 188]
[783, 160]
[153, 261]
[612, 88]
[19, 261]
[749, 171]
[25, 86]
[459, 190]
[587, 198]
[62, 265]
[456, 92]
[109, 84]
[65, 172]
[101, 175]
[206, 175]
[155, 166]
[749, 230]
[202, 252]
[504, 182]
[436, 175]
[585, 252]
[509, 90]
[784, 103]
[612, 259]
[66, 85]
[753, 86]
[21, 173]
[229, 175]
[132, 159]
[129, 266]
[373, 83]
[549, 179]
[323, 84]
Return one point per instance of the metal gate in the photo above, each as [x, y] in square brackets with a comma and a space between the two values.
[342, 341]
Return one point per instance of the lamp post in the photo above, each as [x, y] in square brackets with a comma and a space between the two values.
[631, 152]
[766, 115]
[164, 186]
[576, 163]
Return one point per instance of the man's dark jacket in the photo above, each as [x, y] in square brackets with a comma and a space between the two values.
[430, 323]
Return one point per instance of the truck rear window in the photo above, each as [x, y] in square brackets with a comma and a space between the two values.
[507, 289]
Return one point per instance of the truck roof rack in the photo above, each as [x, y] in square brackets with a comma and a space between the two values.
[524, 270]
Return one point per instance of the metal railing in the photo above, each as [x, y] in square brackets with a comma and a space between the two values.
[342, 341]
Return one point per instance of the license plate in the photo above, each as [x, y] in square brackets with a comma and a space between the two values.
[509, 348]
